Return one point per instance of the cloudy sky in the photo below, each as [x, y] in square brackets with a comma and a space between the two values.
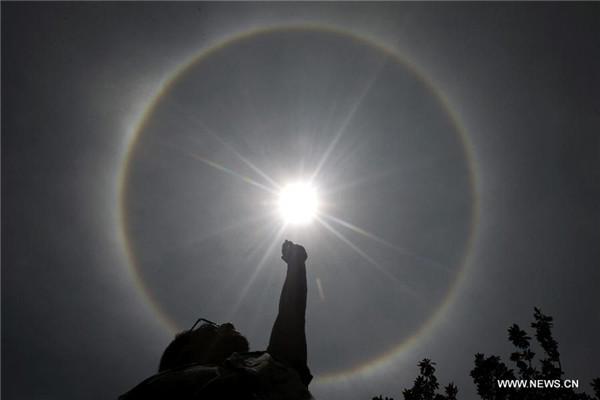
[454, 149]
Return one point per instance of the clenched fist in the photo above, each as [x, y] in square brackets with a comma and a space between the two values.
[291, 252]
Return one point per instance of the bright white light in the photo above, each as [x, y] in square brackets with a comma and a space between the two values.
[298, 203]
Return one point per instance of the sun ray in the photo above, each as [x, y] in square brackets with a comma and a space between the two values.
[239, 223]
[222, 168]
[369, 178]
[347, 120]
[262, 302]
[266, 240]
[244, 159]
[320, 287]
[384, 242]
[259, 267]
[357, 249]
[265, 294]
[218, 138]
[379, 267]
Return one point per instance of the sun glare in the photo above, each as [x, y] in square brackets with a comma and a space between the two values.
[298, 203]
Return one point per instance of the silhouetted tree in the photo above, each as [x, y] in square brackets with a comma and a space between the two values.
[486, 374]
[426, 385]
[490, 370]
[596, 387]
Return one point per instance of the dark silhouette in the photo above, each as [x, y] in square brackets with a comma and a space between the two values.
[426, 385]
[490, 370]
[213, 362]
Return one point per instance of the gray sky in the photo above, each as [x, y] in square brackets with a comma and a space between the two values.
[455, 149]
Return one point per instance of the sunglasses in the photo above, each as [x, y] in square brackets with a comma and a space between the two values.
[204, 320]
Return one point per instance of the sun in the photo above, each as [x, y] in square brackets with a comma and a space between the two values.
[298, 203]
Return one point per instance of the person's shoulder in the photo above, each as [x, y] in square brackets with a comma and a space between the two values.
[250, 355]
[172, 383]
[300, 368]
[257, 361]
[273, 378]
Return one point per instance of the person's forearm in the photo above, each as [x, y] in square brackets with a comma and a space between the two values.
[292, 303]
[288, 338]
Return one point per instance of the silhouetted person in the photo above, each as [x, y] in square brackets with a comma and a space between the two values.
[213, 362]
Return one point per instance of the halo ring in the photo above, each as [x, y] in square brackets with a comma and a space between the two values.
[381, 360]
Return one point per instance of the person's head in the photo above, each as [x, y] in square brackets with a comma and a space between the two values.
[208, 344]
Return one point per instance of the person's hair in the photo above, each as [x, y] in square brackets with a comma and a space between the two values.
[177, 353]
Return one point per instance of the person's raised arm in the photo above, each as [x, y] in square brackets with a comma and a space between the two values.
[288, 337]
